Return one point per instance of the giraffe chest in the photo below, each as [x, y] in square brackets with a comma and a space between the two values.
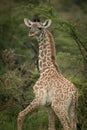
[47, 97]
[45, 87]
[45, 94]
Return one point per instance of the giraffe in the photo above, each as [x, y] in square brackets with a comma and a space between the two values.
[52, 89]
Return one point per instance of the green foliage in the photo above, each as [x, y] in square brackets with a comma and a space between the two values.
[82, 104]
[16, 83]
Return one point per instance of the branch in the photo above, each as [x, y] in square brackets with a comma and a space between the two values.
[79, 43]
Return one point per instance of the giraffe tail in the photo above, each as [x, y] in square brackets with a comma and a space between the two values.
[78, 126]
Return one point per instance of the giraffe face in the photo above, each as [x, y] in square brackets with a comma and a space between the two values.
[36, 28]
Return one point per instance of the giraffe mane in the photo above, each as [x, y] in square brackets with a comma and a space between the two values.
[52, 49]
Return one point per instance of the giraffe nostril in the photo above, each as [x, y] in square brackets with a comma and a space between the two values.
[31, 32]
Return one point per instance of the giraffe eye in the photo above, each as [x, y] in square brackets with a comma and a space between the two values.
[39, 28]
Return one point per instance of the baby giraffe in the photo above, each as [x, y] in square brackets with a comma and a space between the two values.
[51, 89]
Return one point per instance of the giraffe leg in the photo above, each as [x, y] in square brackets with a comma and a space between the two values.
[63, 117]
[51, 119]
[73, 116]
[29, 109]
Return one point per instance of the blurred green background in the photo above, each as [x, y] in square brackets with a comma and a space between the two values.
[19, 56]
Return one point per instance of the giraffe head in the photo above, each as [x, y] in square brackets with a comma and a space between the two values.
[36, 27]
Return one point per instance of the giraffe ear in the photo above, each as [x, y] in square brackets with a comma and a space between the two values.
[47, 23]
[27, 22]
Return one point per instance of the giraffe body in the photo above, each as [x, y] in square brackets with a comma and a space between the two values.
[51, 89]
[54, 89]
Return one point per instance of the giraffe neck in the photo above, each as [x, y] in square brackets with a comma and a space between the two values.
[46, 51]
